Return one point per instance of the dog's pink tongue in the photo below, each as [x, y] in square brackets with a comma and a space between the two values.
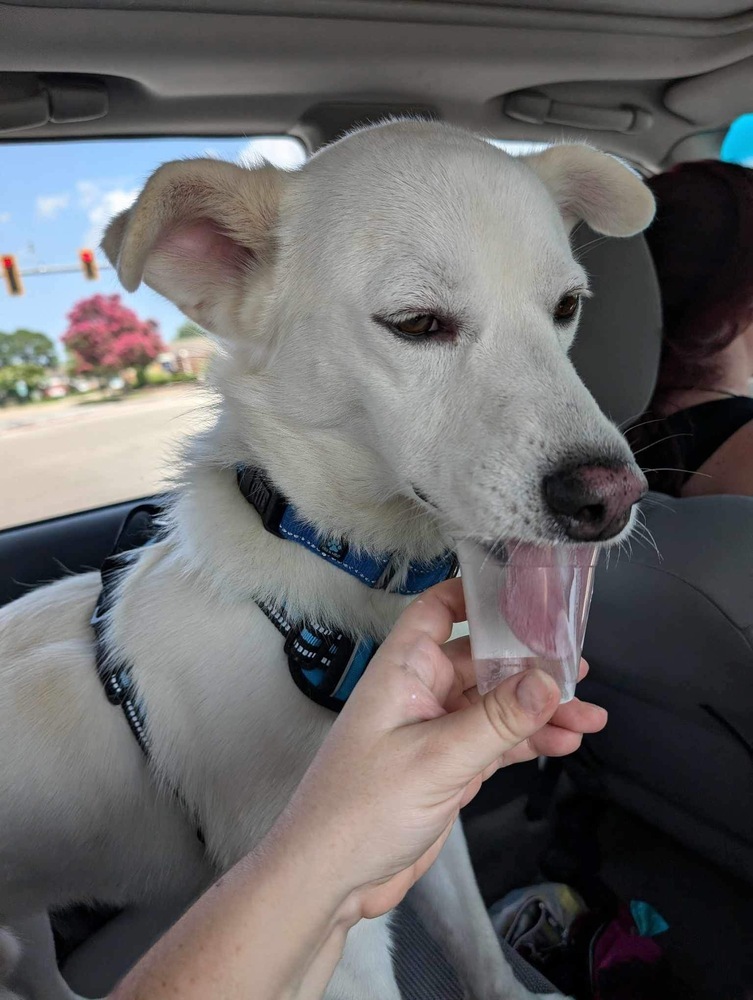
[537, 600]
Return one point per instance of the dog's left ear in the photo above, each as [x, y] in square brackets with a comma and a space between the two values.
[200, 233]
[596, 188]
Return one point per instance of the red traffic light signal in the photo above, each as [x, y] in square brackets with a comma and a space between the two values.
[12, 275]
[88, 264]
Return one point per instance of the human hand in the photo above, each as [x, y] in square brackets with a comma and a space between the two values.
[413, 746]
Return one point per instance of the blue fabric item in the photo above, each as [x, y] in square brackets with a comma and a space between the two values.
[373, 570]
[737, 146]
[353, 672]
[647, 920]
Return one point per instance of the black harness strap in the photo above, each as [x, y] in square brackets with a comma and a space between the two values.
[139, 528]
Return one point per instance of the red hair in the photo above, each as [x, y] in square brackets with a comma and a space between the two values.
[701, 242]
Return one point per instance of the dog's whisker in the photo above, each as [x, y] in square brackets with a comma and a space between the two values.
[581, 251]
[657, 500]
[629, 543]
[642, 524]
[688, 472]
[652, 541]
[643, 534]
[644, 423]
[668, 437]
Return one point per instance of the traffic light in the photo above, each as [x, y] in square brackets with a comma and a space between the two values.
[88, 264]
[12, 275]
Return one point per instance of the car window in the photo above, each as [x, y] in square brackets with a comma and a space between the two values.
[97, 386]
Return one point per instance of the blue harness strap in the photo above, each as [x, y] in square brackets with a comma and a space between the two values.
[280, 518]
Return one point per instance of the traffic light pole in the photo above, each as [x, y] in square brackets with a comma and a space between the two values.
[58, 269]
[12, 273]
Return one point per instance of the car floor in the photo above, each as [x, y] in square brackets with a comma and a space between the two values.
[709, 912]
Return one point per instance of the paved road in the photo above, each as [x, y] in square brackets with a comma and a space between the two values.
[55, 460]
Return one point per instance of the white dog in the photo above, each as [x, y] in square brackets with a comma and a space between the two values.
[394, 321]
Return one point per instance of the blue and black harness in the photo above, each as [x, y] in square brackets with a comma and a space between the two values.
[324, 663]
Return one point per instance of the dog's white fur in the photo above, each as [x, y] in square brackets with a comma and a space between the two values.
[288, 271]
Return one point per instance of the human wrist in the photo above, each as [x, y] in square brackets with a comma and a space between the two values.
[314, 860]
[304, 867]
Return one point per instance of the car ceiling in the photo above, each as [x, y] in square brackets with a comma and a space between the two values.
[653, 80]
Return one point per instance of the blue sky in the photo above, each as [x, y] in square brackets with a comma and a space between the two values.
[55, 200]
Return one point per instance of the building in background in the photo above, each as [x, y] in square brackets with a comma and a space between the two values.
[188, 355]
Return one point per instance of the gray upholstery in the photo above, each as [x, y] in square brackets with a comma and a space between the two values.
[670, 639]
[94, 968]
[422, 971]
[670, 642]
[617, 348]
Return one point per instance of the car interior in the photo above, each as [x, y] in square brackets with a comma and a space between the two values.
[658, 807]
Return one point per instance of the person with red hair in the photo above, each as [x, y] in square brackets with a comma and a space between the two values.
[696, 437]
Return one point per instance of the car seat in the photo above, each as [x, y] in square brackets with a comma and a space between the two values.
[670, 636]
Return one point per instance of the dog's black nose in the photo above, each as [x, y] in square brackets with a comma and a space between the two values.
[593, 502]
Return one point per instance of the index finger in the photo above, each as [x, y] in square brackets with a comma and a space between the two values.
[433, 613]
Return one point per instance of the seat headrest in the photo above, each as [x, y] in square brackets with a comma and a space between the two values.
[617, 348]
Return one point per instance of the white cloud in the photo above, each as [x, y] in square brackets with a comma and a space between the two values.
[281, 151]
[101, 204]
[49, 206]
[4, 217]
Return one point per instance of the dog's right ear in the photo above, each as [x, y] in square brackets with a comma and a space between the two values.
[594, 187]
[198, 233]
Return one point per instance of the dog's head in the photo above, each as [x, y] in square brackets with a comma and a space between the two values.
[406, 302]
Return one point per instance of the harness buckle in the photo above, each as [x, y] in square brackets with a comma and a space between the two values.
[269, 503]
[318, 649]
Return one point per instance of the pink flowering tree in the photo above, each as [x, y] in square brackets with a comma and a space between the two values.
[104, 337]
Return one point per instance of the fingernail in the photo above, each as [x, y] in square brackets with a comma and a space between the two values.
[534, 691]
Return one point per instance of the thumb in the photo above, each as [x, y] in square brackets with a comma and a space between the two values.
[478, 735]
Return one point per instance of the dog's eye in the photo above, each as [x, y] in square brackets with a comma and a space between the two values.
[566, 308]
[418, 326]
[428, 327]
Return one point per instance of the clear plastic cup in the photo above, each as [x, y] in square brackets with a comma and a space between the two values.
[527, 606]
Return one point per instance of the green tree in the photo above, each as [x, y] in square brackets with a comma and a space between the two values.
[189, 330]
[27, 347]
[17, 382]
[105, 336]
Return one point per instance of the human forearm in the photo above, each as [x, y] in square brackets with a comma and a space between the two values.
[273, 928]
